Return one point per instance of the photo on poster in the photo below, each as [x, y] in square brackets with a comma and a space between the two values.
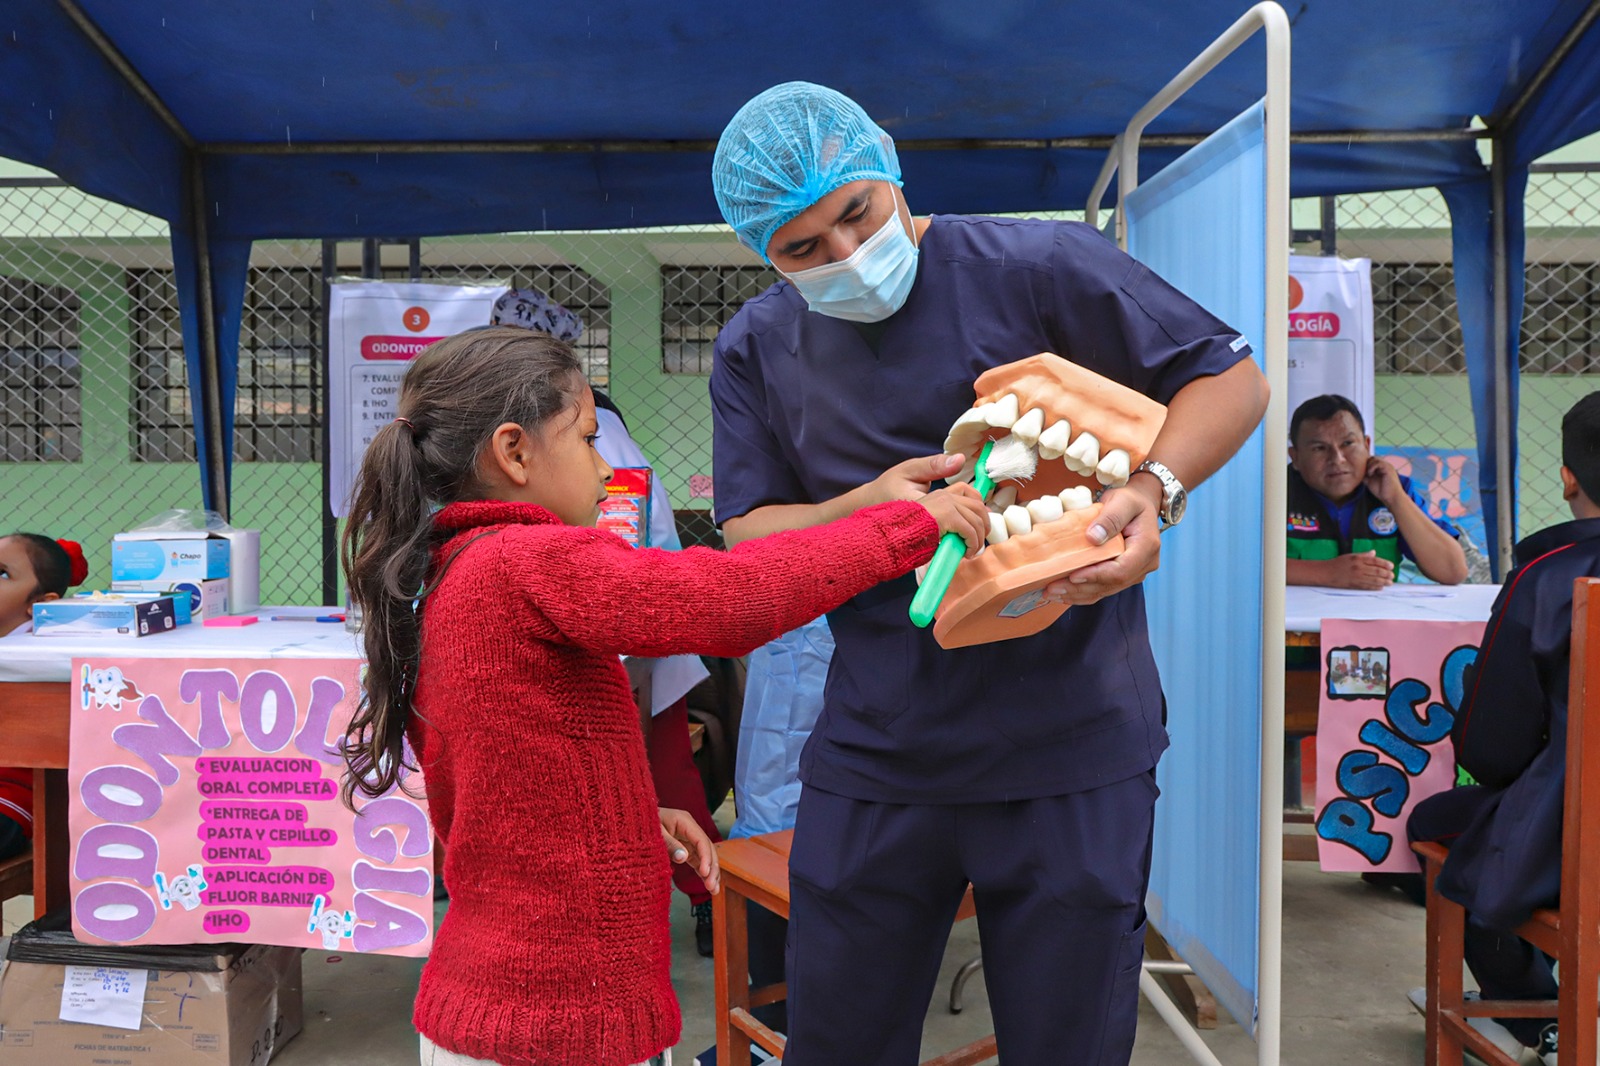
[1356, 673]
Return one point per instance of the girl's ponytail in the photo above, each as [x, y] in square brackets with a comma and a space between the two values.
[453, 397]
[385, 557]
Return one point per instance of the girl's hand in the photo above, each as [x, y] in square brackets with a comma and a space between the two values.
[960, 510]
[687, 842]
[911, 479]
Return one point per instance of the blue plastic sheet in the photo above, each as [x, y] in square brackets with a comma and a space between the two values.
[1201, 224]
[782, 698]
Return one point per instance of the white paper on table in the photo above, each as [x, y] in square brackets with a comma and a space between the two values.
[104, 995]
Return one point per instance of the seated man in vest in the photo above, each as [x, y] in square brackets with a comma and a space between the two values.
[1352, 516]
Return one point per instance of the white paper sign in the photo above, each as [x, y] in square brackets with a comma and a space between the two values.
[374, 330]
[104, 995]
[1330, 331]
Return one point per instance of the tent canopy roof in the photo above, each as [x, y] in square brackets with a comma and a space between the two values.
[241, 78]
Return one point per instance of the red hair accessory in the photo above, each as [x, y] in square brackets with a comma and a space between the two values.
[80, 565]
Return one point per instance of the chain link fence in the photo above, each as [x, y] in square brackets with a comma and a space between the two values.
[1423, 400]
[96, 427]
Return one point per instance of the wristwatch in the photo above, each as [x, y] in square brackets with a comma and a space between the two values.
[1173, 497]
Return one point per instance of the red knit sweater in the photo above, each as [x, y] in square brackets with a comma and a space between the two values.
[555, 949]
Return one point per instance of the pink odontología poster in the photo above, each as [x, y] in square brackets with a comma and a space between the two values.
[204, 807]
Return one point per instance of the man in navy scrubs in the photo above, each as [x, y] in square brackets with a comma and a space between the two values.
[1026, 767]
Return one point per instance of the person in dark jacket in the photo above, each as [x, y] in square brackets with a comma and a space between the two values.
[1511, 735]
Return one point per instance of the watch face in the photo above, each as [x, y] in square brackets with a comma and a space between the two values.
[1180, 501]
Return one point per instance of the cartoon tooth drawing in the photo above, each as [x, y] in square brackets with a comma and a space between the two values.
[185, 888]
[107, 687]
[332, 924]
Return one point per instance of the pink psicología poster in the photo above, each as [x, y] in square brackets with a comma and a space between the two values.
[1390, 694]
[204, 807]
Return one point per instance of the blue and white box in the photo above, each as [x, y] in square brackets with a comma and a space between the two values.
[164, 559]
[105, 615]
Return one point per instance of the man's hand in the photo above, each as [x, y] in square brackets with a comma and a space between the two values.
[912, 479]
[1383, 481]
[1132, 510]
[687, 842]
[1363, 571]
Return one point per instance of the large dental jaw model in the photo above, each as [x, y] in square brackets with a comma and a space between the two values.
[1092, 433]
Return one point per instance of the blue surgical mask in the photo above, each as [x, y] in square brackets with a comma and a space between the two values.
[871, 284]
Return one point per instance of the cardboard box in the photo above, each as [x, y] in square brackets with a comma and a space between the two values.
[168, 558]
[197, 600]
[106, 615]
[238, 1015]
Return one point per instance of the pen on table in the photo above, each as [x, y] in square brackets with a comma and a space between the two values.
[306, 618]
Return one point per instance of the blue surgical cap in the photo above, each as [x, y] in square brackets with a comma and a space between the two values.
[788, 148]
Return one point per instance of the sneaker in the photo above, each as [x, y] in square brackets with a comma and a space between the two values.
[1497, 1034]
[1546, 1048]
[703, 941]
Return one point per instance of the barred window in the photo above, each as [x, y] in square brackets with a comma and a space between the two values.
[278, 405]
[1417, 330]
[572, 287]
[41, 382]
[696, 302]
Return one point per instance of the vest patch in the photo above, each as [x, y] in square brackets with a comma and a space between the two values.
[1303, 523]
[1382, 522]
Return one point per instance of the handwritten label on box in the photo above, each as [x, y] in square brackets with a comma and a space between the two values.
[104, 995]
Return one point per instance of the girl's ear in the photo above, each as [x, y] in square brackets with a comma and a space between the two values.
[508, 458]
[46, 598]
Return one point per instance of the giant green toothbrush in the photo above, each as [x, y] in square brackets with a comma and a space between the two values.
[1003, 460]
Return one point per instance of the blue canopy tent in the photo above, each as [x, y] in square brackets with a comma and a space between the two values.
[429, 117]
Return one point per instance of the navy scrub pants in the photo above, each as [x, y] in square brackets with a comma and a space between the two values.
[1059, 884]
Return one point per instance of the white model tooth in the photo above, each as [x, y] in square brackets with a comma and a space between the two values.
[1045, 509]
[1002, 414]
[1004, 497]
[1113, 469]
[1018, 520]
[1076, 498]
[968, 430]
[997, 529]
[1054, 440]
[1084, 455]
[1029, 426]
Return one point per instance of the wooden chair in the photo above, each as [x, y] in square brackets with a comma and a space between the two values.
[1571, 933]
[16, 877]
[757, 869]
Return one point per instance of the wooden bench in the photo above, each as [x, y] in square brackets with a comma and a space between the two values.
[1571, 934]
[756, 869]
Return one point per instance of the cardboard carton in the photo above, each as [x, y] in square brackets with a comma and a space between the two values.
[168, 558]
[237, 1014]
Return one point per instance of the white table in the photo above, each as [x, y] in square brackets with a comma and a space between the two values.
[1305, 606]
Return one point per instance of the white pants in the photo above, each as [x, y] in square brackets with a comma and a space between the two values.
[434, 1055]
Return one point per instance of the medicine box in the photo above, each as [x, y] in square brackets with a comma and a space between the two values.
[197, 600]
[167, 558]
[626, 511]
[105, 615]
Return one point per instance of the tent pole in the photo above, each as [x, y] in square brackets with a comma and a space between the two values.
[125, 70]
[1551, 64]
[1503, 478]
[214, 462]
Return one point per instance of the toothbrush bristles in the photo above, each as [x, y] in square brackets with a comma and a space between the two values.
[1012, 460]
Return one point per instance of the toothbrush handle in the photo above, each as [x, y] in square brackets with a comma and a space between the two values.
[936, 582]
[952, 549]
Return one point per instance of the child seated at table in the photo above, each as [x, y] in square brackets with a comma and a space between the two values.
[1510, 735]
[33, 569]
[493, 629]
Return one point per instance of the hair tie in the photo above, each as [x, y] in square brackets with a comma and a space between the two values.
[407, 423]
[80, 565]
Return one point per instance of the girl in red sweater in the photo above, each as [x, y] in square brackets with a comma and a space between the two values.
[33, 569]
[494, 621]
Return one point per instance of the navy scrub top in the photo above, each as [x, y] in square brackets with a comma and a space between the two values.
[808, 407]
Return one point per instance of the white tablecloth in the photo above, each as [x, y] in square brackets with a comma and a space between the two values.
[25, 657]
[1305, 606]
